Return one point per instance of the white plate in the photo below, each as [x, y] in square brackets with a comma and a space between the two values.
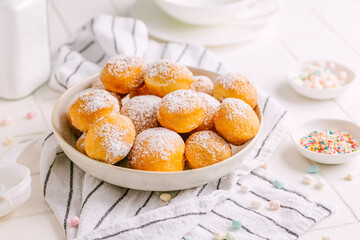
[138, 179]
[166, 28]
[322, 124]
[319, 94]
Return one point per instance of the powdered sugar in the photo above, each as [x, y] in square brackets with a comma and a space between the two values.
[158, 141]
[167, 70]
[113, 140]
[142, 111]
[229, 80]
[123, 65]
[236, 108]
[93, 100]
[202, 84]
[97, 84]
[181, 100]
[211, 106]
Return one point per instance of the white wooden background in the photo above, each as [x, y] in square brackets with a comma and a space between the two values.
[303, 29]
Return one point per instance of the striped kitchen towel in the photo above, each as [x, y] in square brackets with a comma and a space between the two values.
[110, 212]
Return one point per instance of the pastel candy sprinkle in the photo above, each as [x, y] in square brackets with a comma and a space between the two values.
[219, 236]
[264, 166]
[230, 236]
[8, 141]
[236, 224]
[6, 121]
[74, 221]
[278, 184]
[31, 115]
[329, 141]
[321, 75]
[165, 197]
[244, 188]
[307, 180]
[313, 169]
[274, 204]
[187, 238]
[350, 176]
[256, 204]
[321, 183]
[326, 238]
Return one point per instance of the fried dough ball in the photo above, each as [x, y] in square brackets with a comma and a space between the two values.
[236, 121]
[123, 74]
[97, 84]
[80, 144]
[139, 92]
[205, 148]
[234, 85]
[158, 149]
[202, 84]
[181, 111]
[110, 139]
[164, 76]
[142, 111]
[89, 106]
[211, 106]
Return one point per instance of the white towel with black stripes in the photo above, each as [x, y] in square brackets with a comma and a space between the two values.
[111, 212]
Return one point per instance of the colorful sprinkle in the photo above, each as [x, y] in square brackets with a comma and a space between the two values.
[313, 169]
[219, 236]
[278, 184]
[236, 224]
[74, 221]
[264, 166]
[256, 204]
[326, 238]
[274, 204]
[321, 76]
[6, 121]
[165, 197]
[187, 238]
[230, 236]
[350, 176]
[307, 180]
[31, 115]
[244, 188]
[329, 141]
[321, 183]
[8, 141]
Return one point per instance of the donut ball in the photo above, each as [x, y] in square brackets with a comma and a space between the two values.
[97, 84]
[110, 139]
[80, 144]
[202, 84]
[123, 74]
[205, 148]
[234, 85]
[139, 92]
[211, 106]
[89, 106]
[164, 76]
[181, 111]
[236, 121]
[158, 149]
[142, 111]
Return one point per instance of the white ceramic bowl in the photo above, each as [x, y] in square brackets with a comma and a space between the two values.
[322, 124]
[137, 179]
[210, 12]
[320, 94]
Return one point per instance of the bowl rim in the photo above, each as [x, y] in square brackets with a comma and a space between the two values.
[296, 141]
[248, 144]
[204, 7]
[313, 90]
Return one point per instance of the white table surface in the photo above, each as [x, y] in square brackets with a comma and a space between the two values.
[303, 29]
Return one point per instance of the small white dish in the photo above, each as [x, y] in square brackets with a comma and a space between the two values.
[322, 124]
[164, 27]
[124, 176]
[319, 94]
[211, 12]
[15, 179]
